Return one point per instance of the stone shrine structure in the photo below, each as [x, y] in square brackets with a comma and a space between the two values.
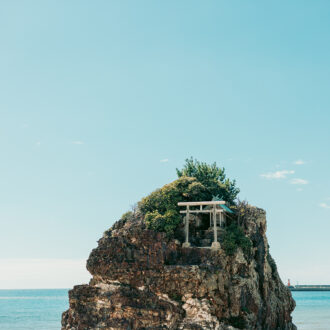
[217, 211]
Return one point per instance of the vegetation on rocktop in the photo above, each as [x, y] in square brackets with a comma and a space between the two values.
[243, 211]
[160, 208]
[127, 216]
[197, 181]
[213, 178]
[235, 238]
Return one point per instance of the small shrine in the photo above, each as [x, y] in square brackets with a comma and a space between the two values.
[207, 217]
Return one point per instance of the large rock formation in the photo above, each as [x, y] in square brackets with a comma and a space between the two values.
[142, 280]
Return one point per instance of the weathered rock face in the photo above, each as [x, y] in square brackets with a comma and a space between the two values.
[142, 280]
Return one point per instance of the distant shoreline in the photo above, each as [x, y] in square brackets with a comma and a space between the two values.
[310, 288]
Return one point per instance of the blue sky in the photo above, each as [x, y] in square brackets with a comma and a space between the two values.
[101, 101]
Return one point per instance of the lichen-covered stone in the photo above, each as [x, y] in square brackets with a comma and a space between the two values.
[142, 280]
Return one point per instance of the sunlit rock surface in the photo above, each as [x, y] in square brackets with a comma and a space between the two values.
[142, 280]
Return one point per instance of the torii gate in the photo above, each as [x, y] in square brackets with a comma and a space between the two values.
[212, 210]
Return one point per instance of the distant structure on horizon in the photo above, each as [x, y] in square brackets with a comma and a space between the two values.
[304, 287]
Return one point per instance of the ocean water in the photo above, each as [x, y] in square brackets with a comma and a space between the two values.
[42, 309]
[312, 310]
[32, 309]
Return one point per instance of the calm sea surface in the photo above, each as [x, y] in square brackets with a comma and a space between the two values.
[42, 309]
[32, 309]
[312, 310]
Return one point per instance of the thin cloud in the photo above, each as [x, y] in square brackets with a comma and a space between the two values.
[324, 205]
[298, 181]
[38, 144]
[299, 162]
[277, 175]
[164, 160]
[77, 142]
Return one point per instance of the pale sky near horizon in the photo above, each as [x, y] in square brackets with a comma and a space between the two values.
[102, 100]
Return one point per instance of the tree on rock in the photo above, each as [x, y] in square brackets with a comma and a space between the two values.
[212, 177]
[197, 182]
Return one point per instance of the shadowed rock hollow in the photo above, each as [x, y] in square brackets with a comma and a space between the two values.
[143, 280]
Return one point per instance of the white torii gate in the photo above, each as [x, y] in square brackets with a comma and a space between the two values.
[199, 207]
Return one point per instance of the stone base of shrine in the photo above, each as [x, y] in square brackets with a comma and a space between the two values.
[186, 244]
[216, 246]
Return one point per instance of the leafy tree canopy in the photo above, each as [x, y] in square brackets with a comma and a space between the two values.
[212, 177]
[197, 182]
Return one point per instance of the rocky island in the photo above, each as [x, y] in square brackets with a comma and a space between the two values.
[144, 276]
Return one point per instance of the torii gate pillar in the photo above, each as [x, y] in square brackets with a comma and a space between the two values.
[215, 245]
[186, 229]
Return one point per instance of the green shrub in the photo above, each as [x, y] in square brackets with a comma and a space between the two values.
[160, 208]
[244, 211]
[127, 216]
[197, 182]
[167, 197]
[234, 238]
[167, 222]
[212, 177]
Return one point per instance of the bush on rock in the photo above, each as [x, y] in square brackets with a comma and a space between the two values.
[197, 181]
